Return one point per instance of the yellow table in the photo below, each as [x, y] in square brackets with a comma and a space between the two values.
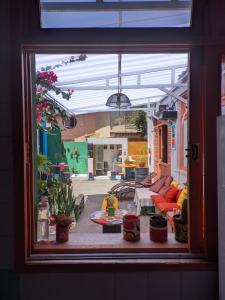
[127, 166]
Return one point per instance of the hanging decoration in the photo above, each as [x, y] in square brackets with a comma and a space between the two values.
[48, 109]
[173, 136]
[119, 100]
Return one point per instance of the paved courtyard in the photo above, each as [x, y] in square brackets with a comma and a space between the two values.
[94, 187]
[95, 190]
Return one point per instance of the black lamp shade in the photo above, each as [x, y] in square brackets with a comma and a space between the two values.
[118, 100]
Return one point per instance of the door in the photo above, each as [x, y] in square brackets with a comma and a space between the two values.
[99, 163]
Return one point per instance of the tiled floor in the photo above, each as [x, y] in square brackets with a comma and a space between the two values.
[94, 187]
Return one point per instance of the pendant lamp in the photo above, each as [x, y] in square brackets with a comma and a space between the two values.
[118, 100]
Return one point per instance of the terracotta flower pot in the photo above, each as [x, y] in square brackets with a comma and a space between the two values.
[63, 223]
[62, 233]
[142, 164]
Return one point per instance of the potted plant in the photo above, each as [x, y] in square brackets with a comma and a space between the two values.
[113, 175]
[142, 160]
[158, 228]
[111, 203]
[63, 202]
[180, 223]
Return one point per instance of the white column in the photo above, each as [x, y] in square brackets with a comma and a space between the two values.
[149, 136]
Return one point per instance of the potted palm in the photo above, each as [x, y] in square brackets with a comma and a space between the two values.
[142, 161]
[111, 203]
[63, 202]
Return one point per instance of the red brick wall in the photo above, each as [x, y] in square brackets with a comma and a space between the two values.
[85, 126]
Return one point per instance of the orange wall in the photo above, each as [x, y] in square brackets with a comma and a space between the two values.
[137, 149]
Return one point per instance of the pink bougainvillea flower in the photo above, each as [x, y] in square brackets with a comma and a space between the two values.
[49, 76]
[39, 89]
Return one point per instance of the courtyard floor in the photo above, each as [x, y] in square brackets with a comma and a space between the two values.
[86, 234]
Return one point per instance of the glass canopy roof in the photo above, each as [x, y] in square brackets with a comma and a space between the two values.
[115, 13]
[145, 77]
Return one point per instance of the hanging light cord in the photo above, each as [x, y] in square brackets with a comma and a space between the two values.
[119, 73]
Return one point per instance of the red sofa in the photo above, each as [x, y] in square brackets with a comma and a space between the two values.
[166, 200]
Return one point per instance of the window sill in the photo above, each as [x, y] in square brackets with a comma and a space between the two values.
[66, 263]
[111, 243]
[114, 255]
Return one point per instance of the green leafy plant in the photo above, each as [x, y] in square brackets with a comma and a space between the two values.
[140, 123]
[128, 160]
[110, 199]
[43, 165]
[61, 194]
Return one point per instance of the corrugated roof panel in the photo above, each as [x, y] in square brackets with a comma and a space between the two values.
[115, 13]
[101, 70]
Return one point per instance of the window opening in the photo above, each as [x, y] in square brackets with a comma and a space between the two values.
[115, 14]
[109, 158]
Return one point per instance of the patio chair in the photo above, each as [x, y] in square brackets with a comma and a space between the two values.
[126, 189]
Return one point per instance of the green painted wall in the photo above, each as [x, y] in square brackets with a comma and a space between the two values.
[56, 151]
[78, 162]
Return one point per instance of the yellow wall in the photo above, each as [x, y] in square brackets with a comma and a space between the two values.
[138, 150]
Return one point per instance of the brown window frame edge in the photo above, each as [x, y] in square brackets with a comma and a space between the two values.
[26, 253]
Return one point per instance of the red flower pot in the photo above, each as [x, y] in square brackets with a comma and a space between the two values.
[131, 228]
[63, 223]
[62, 233]
[158, 228]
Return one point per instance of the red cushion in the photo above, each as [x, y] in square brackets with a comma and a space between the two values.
[165, 206]
[156, 186]
[157, 198]
[171, 194]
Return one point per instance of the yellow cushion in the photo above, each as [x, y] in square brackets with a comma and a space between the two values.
[183, 195]
[104, 203]
[175, 183]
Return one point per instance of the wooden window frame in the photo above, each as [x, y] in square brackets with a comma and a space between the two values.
[28, 38]
[181, 164]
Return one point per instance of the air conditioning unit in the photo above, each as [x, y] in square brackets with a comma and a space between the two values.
[168, 114]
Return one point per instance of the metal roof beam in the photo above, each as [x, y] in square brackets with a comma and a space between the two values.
[107, 77]
[124, 87]
[171, 93]
[132, 100]
[107, 110]
[47, 6]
